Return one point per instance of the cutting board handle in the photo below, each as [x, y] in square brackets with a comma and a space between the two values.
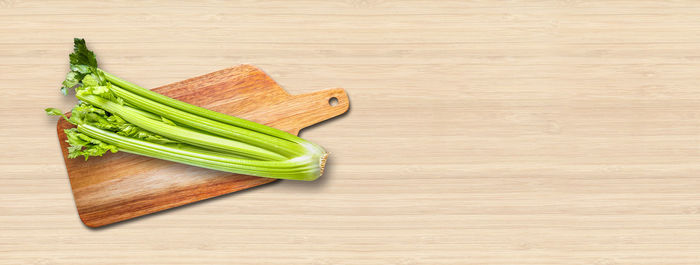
[309, 109]
[324, 104]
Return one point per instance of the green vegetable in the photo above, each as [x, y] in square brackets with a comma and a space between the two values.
[115, 115]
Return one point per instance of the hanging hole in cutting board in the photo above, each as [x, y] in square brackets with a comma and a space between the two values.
[333, 101]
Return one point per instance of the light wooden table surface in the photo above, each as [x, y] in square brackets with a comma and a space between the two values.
[519, 132]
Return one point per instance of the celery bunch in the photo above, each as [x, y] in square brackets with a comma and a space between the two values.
[115, 115]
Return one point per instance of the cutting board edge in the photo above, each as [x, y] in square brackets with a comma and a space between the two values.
[100, 223]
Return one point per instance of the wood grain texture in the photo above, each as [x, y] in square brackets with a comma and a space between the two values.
[121, 186]
[480, 132]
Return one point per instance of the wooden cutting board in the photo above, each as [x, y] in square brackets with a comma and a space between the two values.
[122, 186]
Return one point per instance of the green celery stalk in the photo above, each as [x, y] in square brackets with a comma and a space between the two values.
[179, 133]
[285, 147]
[232, 120]
[298, 169]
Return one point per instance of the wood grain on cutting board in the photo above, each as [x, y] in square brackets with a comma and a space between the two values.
[480, 132]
